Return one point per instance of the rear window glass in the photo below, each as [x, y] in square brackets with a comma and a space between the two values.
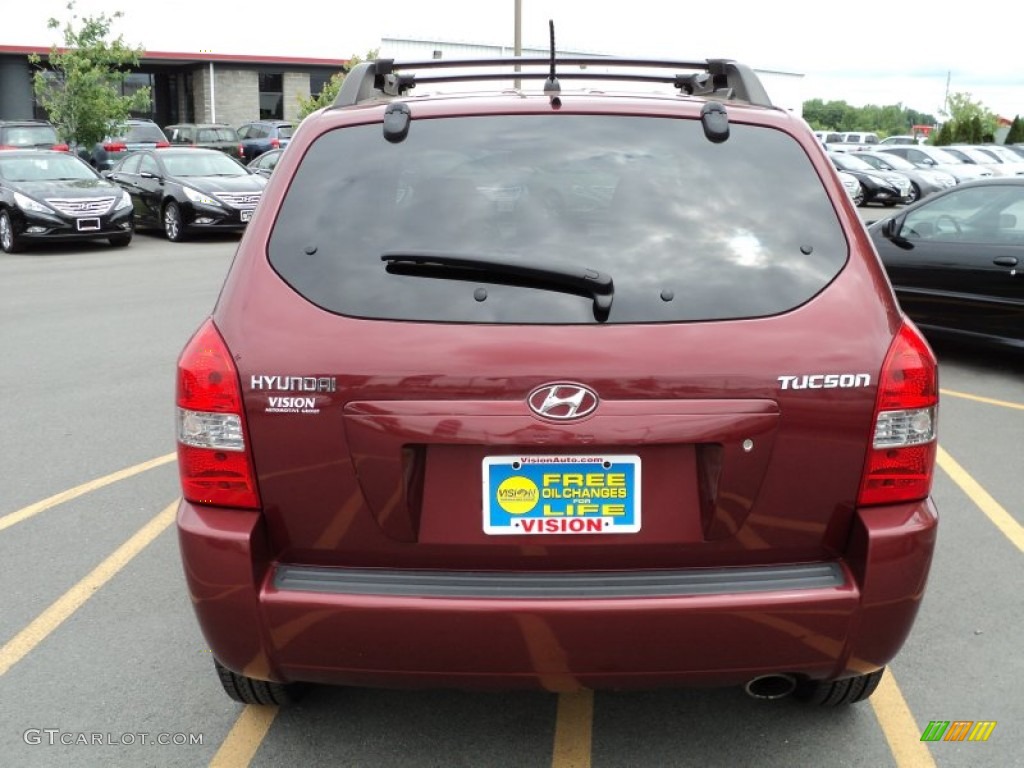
[217, 134]
[144, 133]
[29, 136]
[284, 131]
[687, 230]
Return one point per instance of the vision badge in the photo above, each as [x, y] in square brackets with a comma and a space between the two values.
[517, 495]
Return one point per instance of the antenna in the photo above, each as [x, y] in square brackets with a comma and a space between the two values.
[551, 86]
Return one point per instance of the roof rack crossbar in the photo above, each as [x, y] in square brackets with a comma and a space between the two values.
[713, 78]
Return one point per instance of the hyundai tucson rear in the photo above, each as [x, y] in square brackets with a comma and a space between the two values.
[554, 390]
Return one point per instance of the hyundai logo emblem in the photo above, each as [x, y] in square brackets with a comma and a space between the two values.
[562, 401]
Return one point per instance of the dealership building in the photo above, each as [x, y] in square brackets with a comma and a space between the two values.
[231, 88]
[188, 87]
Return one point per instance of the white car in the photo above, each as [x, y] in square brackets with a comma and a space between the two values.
[1007, 158]
[974, 156]
[852, 187]
[936, 159]
[903, 140]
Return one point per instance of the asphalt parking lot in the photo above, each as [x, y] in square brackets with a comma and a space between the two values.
[102, 663]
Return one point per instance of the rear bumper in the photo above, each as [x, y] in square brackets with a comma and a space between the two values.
[555, 631]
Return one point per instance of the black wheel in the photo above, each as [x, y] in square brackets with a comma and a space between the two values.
[250, 691]
[915, 193]
[174, 227]
[834, 693]
[9, 240]
[120, 241]
[861, 197]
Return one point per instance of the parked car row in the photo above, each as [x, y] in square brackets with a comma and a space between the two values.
[904, 173]
[247, 142]
[48, 195]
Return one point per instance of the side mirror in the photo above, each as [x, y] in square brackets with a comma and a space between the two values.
[891, 229]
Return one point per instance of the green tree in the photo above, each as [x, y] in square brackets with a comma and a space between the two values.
[1016, 134]
[945, 135]
[81, 89]
[971, 120]
[886, 120]
[329, 93]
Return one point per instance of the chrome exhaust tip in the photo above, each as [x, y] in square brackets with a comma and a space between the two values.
[770, 686]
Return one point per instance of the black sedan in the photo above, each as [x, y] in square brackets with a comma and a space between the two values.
[956, 260]
[189, 190]
[47, 195]
[885, 187]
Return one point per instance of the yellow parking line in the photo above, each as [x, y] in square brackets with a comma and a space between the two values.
[245, 737]
[80, 490]
[980, 399]
[573, 725]
[46, 622]
[1002, 519]
[898, 725]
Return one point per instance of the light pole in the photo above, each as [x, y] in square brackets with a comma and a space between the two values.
[517, 43]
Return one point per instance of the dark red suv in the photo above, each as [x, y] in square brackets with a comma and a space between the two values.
[556, 388]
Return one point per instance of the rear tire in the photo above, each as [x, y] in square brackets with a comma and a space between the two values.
[835, 693]
[250, 691]
[9, 240]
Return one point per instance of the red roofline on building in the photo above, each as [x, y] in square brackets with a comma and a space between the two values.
[203, 57]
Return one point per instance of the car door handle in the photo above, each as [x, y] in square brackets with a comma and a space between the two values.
[1005, 261]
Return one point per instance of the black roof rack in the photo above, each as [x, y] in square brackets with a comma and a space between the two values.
[711, 78]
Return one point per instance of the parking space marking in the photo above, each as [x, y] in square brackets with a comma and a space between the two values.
[46, 622]
[995, 512]
[80, 490]
[898, 725]
[244, 738]
[980, 399]
[573, 730]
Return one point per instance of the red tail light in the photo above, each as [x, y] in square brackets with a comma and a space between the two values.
[901, 460]
[162, 144]
[275, 143]
[213, 459]
[61, 148]
[115, 146]
[241, 150]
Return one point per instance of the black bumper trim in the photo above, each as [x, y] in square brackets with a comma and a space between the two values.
[555, 584]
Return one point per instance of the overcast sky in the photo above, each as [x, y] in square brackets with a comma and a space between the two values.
[861, 53]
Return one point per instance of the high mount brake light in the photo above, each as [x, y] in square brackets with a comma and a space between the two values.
[213, 460]
[901, 460]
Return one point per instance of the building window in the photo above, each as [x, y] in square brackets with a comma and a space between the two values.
[317, 83]
[271, 97]
[136, 81]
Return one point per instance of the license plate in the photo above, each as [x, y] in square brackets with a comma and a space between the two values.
[87, 225]
[246, 215]
[561, 494]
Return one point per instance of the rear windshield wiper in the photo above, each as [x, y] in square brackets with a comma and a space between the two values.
[581, 281]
